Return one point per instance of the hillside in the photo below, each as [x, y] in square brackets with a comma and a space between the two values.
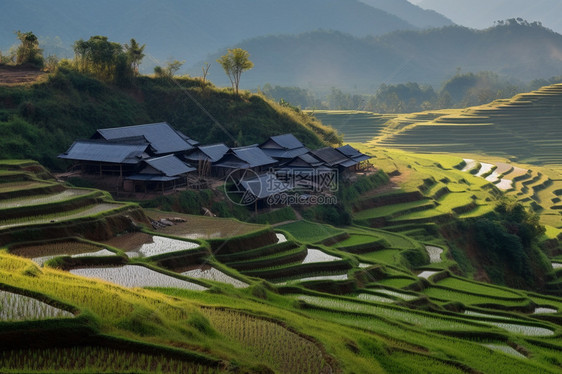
[323, 59]
[40, 121]
[525, 128]
[422, 18]
[481, 14]
[185, 30]
[215, 295]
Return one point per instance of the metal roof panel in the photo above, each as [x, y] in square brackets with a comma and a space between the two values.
[161, 136]
[91, 150]
[170, 165]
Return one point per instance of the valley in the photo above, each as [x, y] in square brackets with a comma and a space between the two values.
[417, 242]
[393, 280]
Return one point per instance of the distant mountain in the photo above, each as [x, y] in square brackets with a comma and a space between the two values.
[482, 13]
[411, 13]
[321, 60]
[186, 30]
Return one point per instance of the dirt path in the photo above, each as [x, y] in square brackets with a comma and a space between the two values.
[14, 75]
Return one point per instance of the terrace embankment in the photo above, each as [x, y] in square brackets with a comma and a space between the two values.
[32, 208]
[498, 128]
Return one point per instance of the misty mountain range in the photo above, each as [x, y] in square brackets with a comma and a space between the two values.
[317, 44]
[321, 60]
[483, 13]
[190, 30]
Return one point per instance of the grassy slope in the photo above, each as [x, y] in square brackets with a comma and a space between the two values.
[257, 327]
[40, 121]
[525, 128]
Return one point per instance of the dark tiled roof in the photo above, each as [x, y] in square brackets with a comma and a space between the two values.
[284, 153]
[285, 141]
[212, 152]
[332, 157]
[101, 151]
[306, 160]
[245, 157]
[253, 155]
[265, 185]
[170, 165]
[161, 136]
[353, 153]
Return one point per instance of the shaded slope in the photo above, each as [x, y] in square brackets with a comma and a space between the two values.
[201, 27]
[424, 18]
[527, 128]
[321, 59]
[40, 121]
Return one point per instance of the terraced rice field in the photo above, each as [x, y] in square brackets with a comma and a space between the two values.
[161, 245]
[505, 349]
[522, 329]
[136, 276]
[40, 253]
[101, 253]
[415, 318]
[478, 288]
[397, 282]
[400, 295]
[97, 360]
[315, 255]
[387, 256]
[542, 310]
[21, 186]
[356, 239]
[44, 199]
[202, 227]
[426, 274]
[16, 307]
[59, 217]
[288, 351]
[337, 277]
[310, 232]
[211, 273]
[466, 298]
[356, 126]
[280, 238]
[434, 253]
[371, 297]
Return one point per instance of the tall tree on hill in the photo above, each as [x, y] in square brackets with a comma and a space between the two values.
[107, 60]
[135, 54]
[28, 51]
[234, 63]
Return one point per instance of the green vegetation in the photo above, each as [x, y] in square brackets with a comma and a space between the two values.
[40, 121]
[310, 232]
[388, 288]
[293, 323]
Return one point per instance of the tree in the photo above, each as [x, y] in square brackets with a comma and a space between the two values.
[107, 60]
[234, 63]
[28, 51]
[206, 66]
[99, 56]
[135, 54]
[171, 68]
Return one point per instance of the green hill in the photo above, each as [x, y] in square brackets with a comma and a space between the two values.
[84, 291]
[525, 128]
[40, 121]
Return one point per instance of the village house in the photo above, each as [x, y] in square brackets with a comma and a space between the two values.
[156, 158]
